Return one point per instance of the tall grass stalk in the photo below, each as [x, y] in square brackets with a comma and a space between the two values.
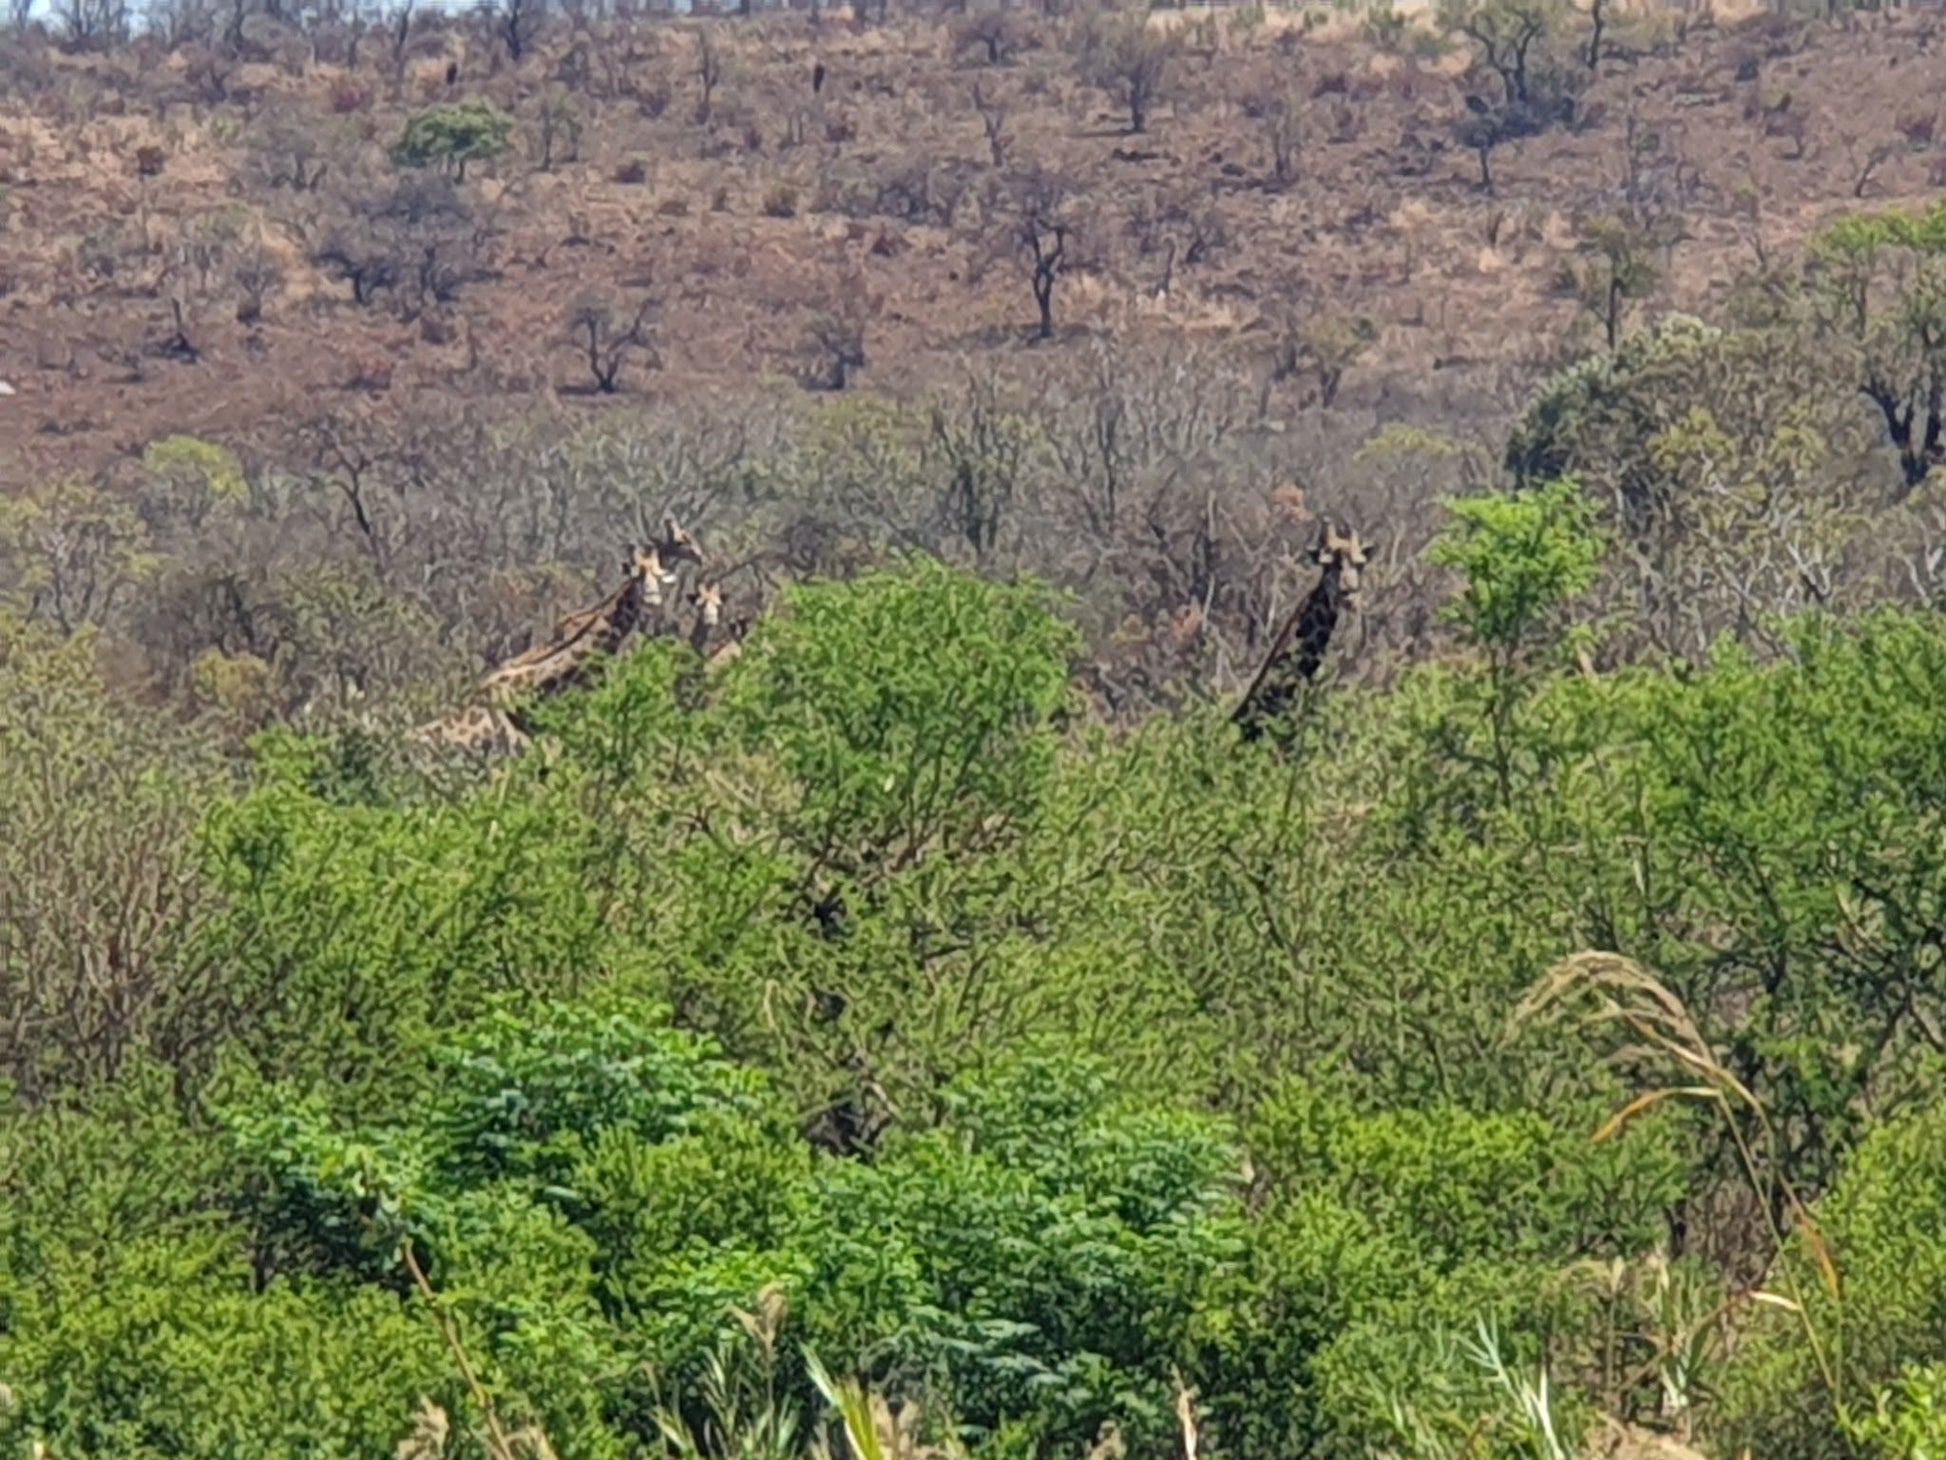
[500, 1444]
[1609, 989]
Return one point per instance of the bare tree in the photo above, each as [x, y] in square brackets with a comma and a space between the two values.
[1506, 32]
[518, 21]
[709, 73]
[1277, 111]
[993, 117]
[995, 31]
[293, 148]
[1041, 230]
[605, 337]
[401, 33]
[558, 124]
[85, 24]
[418, 237]
[1131, 61]
[1481, 129]
[1620, 268]
[837, 339]
[1874, 157]
[257, 275]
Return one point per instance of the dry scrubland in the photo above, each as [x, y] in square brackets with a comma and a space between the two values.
[874, 200]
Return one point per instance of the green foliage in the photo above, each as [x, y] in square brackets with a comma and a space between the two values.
[1908, 1418]
[913, 710]
[1030, 1076]
[1882, 287]
[1886, 1220]
[1726, 484]
[355, 924]
[99, 914]
[69, 553]
[1045, 1251]
[523, 1097]
[453, 134]
[194, 475]
[1455, 1184]
[1523, 554]
[128, 1317]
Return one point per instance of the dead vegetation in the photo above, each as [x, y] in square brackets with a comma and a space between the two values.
[209, 223]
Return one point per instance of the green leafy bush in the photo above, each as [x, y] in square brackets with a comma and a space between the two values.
[453, 134]
[1045, 1080]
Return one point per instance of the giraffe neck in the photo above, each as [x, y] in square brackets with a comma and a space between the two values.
[624, 613]
[555, 667]
[1295, 655]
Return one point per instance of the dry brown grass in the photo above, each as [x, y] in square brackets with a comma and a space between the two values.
[1383, 220]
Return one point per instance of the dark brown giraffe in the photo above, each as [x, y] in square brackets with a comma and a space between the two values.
[1297, 653]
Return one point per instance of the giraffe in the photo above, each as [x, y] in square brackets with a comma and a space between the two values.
[566, 660]
[492, 718]
[477, 729]
[1299, 648]
[675, 546]
[708, 601]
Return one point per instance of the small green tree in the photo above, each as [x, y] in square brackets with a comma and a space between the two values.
[190, 478]
[1524, 556]
[453, 134]
[913, 709]
[1620, 267]
[1883, 291]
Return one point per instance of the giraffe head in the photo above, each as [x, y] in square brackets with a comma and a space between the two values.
[645, 566]
[708, 601]
[1339, 551]
[679, 545]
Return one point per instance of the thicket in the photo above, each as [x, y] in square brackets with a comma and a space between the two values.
[882, 1016]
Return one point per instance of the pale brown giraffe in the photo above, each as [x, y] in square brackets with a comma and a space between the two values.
[565, 661]
[476, 729]
[492, 719]
[707, 598]
[675, 546]
[1298, 651]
